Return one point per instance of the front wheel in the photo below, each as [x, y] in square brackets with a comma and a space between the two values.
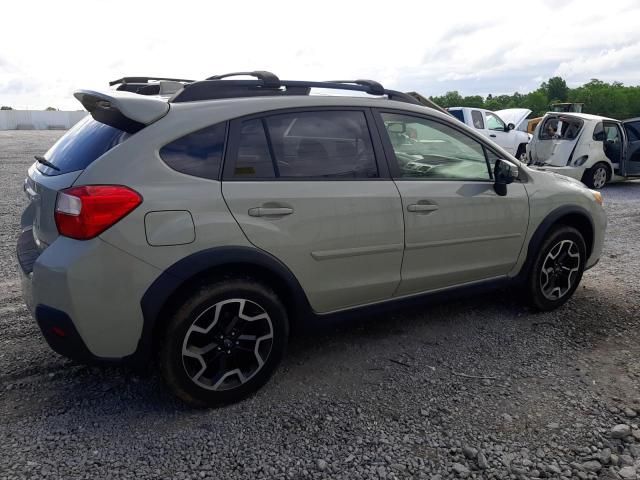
[596, 176]
[224, 342]
[557, 268]
[521, 153]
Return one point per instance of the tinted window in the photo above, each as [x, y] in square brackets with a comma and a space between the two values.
[494, 122]
[633, 131]
[198, 153]
[432, 150]
[458, 114]
[598, 132]
[329, 144]
[81, 145]
[253, 159]
[478, 122]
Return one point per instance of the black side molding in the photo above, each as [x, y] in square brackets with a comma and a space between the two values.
[170, 281]
[542, 230]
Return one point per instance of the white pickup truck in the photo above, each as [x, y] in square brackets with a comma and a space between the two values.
[511, 136]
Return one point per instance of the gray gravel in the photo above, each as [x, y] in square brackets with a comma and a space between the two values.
[476, 388]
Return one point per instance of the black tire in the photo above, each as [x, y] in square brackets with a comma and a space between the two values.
[212, 307]
[593, 177]
[521, 152]
[541, 286]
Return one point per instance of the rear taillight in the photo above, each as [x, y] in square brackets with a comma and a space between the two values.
[85, 212]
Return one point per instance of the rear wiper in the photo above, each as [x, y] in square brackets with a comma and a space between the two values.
[45, 162]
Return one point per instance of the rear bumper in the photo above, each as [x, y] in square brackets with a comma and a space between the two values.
[85, 297]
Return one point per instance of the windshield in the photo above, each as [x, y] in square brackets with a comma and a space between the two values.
[80, 146]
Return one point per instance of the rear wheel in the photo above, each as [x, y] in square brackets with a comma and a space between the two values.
[224, 342]
[596, 176]
[557, 268]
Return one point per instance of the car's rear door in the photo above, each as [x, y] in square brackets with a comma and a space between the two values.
[457, 229]
[631, 164]
[311, 188]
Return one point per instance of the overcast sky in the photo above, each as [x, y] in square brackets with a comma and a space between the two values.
[50, 48]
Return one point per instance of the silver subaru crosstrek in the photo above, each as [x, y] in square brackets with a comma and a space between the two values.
[190, 224]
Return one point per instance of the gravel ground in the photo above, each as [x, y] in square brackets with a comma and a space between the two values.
[477, 388]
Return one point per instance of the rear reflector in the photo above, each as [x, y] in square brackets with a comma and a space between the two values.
[85, 212]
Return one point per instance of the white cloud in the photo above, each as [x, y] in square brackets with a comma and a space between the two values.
[48, 49]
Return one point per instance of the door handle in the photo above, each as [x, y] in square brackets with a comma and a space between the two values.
[422, 207]
[492, 135]
[270, 211]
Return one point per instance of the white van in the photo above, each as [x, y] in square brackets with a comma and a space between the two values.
[590, 148]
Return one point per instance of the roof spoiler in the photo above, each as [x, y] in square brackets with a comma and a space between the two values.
[123, 110]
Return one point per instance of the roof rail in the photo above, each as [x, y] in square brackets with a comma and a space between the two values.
[268, 84]
[146, 80]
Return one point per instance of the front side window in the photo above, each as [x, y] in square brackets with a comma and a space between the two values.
[322, 144]
[432, 150]
[478, 121]
[494, 122]
[199, 153]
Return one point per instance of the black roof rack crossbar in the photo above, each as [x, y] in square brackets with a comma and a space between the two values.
[269, 79]
[146, 80]
[374, 87]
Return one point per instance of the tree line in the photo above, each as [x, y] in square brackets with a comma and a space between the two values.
[613, 100]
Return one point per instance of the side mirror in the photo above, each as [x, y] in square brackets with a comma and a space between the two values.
[504, 173]
[511, 126]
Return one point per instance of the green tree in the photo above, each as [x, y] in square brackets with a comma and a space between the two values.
[5, 107]
[556, 89]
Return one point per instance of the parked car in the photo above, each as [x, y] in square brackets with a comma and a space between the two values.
[198, 227]
[555, 107]
[590, 148]
[492, 126]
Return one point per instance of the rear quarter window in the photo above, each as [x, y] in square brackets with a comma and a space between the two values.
[81, 145]
[199, 153]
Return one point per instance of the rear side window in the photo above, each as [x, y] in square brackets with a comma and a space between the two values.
[330, 144]
[633, 131]
[458, 114]
[198, 154]
[79, 147]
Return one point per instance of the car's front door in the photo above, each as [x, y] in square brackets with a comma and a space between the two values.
[312, 189]
[457, 229]
[499, 133]
[631, 164]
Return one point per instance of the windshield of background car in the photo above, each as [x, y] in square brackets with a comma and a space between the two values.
[560, 128]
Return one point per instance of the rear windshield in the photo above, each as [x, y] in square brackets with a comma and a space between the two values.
[458, 114]
[560, 128]
[81, 145]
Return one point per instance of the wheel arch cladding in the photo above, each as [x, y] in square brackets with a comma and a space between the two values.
[572, 216]
[174, 285]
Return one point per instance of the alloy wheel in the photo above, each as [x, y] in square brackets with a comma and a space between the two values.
[227, 344]
[560, 269]
[599, 177]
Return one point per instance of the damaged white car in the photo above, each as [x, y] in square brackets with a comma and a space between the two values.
[590, 148]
